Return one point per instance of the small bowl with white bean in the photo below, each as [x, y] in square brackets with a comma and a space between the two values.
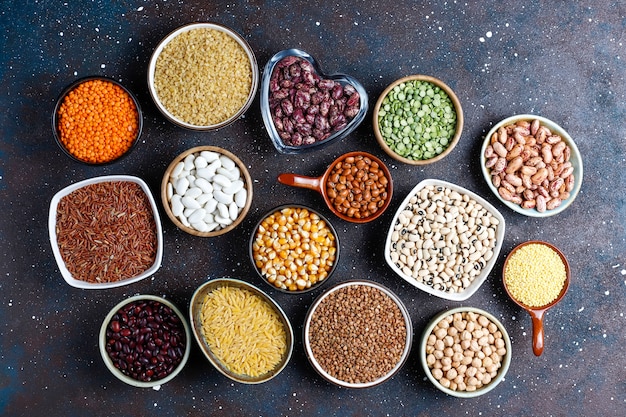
[206, 191]
[444, 239]
[532, 165]
[465, 352]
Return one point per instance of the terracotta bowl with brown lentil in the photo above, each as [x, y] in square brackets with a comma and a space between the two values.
[203, 76]
[357, 334]
[465, 352]
[105, 232]
[294, 248]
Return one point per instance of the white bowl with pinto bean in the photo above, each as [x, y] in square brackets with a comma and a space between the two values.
[465, 352]
[532, 165]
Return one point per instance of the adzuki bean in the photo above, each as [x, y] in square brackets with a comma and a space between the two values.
[306, 108]
[146, 340]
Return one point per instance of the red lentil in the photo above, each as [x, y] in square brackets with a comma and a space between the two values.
[97, 121]
[106, 232]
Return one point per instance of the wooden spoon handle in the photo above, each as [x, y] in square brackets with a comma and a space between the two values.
[537, 333]
[301, 181]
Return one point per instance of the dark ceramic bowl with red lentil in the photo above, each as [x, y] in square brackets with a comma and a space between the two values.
[97, 121]
[357, 334]
[294, 249]
[145, 341]
[305, 109]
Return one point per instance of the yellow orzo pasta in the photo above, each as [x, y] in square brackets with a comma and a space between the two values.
[243, 331]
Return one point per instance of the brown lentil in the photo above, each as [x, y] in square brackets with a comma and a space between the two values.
[294, 248]
[357, 334]
[357, 186]
[535, 275]
[464, 351]
[203, 76]
[106, 232]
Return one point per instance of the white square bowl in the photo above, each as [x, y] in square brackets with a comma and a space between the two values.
[479, 279]
[52, 219]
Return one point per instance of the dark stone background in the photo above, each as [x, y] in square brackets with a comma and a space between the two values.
[561, 60]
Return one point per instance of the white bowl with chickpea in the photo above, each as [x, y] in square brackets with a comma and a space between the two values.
[465, 352]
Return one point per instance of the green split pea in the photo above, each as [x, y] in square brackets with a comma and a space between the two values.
[417, 120]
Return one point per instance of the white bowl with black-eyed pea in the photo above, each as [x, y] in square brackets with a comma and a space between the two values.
[532, 165]
[444, 239]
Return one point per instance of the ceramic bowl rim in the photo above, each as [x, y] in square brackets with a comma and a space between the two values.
[311, 210]
[457, 107]
[408, 340]
[72, 86]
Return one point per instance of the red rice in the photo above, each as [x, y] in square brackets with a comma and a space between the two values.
[106, 232]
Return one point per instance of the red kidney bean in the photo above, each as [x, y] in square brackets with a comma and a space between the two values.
[146, 340]
[306, 108]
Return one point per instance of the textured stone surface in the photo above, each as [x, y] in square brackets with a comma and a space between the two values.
[560, 60]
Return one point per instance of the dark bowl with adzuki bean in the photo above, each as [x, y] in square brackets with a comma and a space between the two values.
[305, 109]
[145, 341]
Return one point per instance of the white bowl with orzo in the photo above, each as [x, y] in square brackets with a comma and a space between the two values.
[105, 232]
[203, 76]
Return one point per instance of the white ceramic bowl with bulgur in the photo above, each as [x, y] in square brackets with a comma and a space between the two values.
[203, 76]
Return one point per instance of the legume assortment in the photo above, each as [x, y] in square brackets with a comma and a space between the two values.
[243, 331]
[203, 76]
[97, 121]
[443, 238]
[294, 248]
[417, 120]
[535, 275]
[357, 187]
[106, 232]
[530, 165]
[464, 351]
[357, 334]
[146, 340]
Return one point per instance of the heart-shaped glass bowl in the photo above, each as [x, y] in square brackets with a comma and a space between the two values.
[340, 78]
